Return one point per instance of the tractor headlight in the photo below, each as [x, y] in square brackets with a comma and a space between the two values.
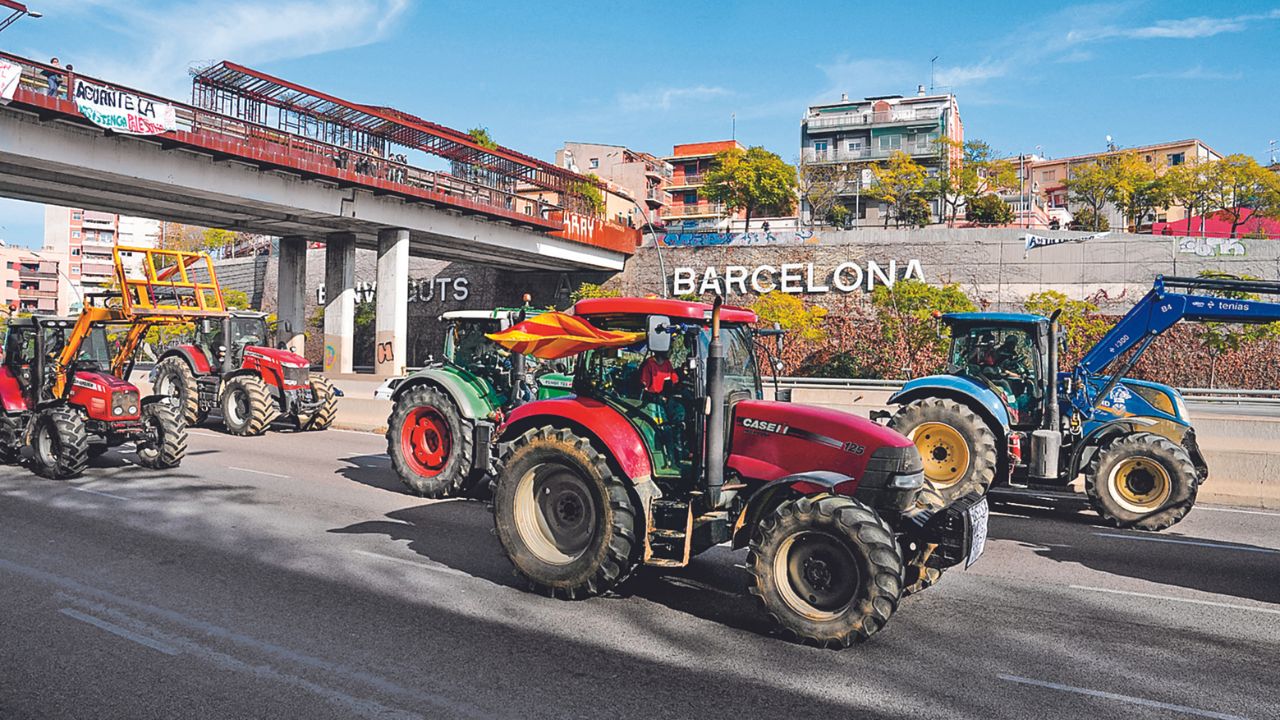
[1181, 406]
[117, 410]
[908, 482]
[133, 409]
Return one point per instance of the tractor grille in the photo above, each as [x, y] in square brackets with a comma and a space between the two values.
[297, 375]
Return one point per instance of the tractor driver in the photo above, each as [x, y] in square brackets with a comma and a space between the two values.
[658, 381]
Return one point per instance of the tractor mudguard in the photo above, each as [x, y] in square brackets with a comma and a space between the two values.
[773, 493]
[11, 393]
[1098, 435]
[471, 405]
[593, 419]
[194, 356]
[962, 389]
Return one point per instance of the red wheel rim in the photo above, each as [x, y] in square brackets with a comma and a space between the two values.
[425, 441]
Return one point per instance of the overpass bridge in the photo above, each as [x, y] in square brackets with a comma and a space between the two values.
[256, 153]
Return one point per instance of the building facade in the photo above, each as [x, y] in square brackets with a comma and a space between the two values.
[28, 281]
[857, 133]
[690, 210]
[83, 243]
[636, 176]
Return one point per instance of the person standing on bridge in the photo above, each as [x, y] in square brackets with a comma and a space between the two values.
[53, 78]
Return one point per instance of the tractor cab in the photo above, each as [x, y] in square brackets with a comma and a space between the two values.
[1007, 353]
[467, 348]
[35, 346]
[225, 338]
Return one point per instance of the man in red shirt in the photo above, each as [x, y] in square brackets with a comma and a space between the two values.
[656, 373]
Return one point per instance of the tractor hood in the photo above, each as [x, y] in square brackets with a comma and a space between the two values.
[104, 396]
[101, 382]
[276, 355]
[1141, 398]
[770, 440]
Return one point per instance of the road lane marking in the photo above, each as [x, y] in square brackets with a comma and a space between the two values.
[1212, 603]
[98, 492]
[258, 472]
[1120, 698]
[1242, 512]
[420, 565]
[117, 630]
[1197, 543]
[697, 585]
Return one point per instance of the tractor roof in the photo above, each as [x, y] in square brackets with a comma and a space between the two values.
[660, 306]
[993, 318]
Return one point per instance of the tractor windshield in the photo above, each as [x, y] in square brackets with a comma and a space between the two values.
[95, 349]
[247, 331]
[466, 343]
[1006, 358]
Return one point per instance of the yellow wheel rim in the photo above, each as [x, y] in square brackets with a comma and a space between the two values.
[944, 450]
[1140, 484]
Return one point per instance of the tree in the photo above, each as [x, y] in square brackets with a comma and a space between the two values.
[990, 210]
[235, 299]
[481, 137]
[585, 196]
[907, 325]
[592, 290]
[791, 314]
[1086, 219]
[978, 172]
[820, 186]
[1220, 338]
[1238, 185]
[896, 183]
[751, 180]
[1136, 187]
[1090, 185]
[1188, 186]
[1079, 320]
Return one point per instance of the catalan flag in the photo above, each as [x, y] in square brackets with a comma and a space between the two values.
[553, 335]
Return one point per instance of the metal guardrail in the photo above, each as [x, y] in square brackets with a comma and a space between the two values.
[1203, 395]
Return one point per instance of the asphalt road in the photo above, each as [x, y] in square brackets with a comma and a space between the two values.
[287, 576]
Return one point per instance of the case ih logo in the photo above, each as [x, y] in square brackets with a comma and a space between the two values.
[765, 426]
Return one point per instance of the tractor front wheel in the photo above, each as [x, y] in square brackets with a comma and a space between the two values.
[826, 569]
[1142, 481]
[165, 437]
[957, 446]
[60, 443]
[174, 379]
[429, 443]
[563, 517]
[327, 410]
[247, 406]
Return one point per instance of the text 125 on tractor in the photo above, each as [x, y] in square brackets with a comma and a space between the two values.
[1005, 413]
[667, 449]
[441, 425]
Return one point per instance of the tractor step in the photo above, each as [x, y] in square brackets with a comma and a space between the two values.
[670, 529]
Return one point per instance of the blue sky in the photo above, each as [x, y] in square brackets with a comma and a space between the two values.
[649, 75]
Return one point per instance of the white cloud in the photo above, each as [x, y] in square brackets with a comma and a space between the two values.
[1198, 72]
[1177, 29]
[666, 98]
[167, 38]
[961, 75]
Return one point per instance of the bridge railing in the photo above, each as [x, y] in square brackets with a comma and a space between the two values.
[254, 142]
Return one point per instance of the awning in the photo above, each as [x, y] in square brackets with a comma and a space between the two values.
[553, 335]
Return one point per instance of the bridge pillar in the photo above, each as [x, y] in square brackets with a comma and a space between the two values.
[291, 300]
[390, 356]
[340, 302]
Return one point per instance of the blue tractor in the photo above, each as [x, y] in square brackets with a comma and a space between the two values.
[1005, 413]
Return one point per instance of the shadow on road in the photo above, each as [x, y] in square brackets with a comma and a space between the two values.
[372, 470]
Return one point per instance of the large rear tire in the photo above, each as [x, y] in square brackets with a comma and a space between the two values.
[247, 406]
[175, 379]
[1142, 481]
[60, 443]
[429, 442]
[166, 442]
[956, 444]
[565, 520]
[826, 569]
[327, 411]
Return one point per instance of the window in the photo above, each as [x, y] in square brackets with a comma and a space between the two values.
[1048, 175]
[77, 216]
[820, 146]
[890, 142]
[75, 233]
[691, 169]
[594, 163]
[854, 145]
[75, 252]
[1177, 158]
[691, 197]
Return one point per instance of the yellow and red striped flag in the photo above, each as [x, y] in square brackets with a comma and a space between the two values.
[555, 335]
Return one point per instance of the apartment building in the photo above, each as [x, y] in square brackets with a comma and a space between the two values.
[28, 281]
[83, 242]
[857, 133]
[689, 209]
[636, 175]
[1045, 177]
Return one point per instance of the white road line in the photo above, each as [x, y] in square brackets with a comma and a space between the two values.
[1212, 603]
[99, 492]
[258, 472]
[1197, 543]
[117, 630]
[1235, 510]
[421, 566]
[1120, 698]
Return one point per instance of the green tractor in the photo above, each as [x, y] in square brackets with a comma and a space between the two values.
[439, 431]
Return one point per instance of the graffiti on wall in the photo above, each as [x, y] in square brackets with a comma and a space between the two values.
[716, 239]
[1211, 246]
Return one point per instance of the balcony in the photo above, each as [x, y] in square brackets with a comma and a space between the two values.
[810, 155]
[661, 173]
[680, 181]
[698, 210]
[658, 196]
[897, 116]
[36, 294]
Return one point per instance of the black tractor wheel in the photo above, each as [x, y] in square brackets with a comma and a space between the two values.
[826, 569]
[429, 442]
[165, 443]
[917, 575]
[174, 379]
[247, 406]
[566, 521]
[60, 443]
[327, 411]
[957, 446]
[1142, 481]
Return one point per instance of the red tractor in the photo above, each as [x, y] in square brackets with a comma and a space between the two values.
[228, 367]
[667, 449]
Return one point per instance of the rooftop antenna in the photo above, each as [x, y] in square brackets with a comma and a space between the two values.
[1111, 145]
[733, 126]
[1271, 146]
[932, 61]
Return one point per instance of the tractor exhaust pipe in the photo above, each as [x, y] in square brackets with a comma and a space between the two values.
[1046, 443]
[714, 451]
[1053, 418]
